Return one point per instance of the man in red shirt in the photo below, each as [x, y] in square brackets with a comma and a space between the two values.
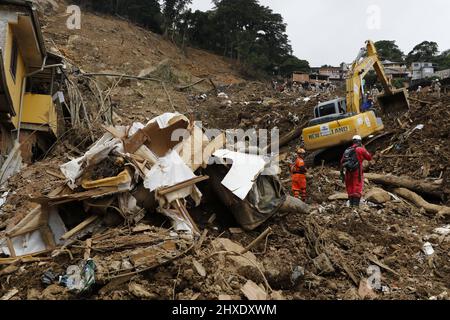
[298, 171]
[354, 179]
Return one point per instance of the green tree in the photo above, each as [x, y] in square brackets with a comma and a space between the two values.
[250, 33]
[443, 60]
[423, 52]
[172, 11]
[292, 64]
[388, 50]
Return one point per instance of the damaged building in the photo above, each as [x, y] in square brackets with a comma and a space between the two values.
[29, 83]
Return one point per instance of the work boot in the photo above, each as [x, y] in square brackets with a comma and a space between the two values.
[351, 200]
[356, 202]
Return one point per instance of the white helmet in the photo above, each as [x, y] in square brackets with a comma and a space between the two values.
[357, 138]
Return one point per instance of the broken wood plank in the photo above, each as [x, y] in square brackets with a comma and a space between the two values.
[11, 293]
[387, 149]
[253, 292]
[114, 283]
[185, 214]
[181, 88]
[94, 193]
[373, 259]
[348, 270]
[87, 252]
[213, 146]
[114, 131]
[182, 185]
[199, 268]
[12, 268]
[378, 137]
[79, 227]
[56, 174]
[212, 218]
[214, 85]
[255, 242]
[338, 196]
[23, 259]
[420, 101]
[202, 239]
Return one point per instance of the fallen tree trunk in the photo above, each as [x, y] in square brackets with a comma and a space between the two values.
[433, 189]
[294, 204]
[420, 202]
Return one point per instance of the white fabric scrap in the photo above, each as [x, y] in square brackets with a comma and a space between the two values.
[4, 247]
[243, 173]
[128, 204]
[164, 119]
[169, 171]
[12, 164]
[135, 127]
[72, 170]
[3, 198]
[28, 243]
[178, 223]
[442, 231]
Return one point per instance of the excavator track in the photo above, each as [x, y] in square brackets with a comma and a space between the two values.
[310, 160]
[329, 155]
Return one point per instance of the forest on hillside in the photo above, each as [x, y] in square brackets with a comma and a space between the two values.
[243, 30]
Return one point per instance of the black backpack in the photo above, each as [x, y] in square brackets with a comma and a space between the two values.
[350, 161]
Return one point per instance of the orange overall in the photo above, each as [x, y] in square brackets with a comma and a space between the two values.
[298, 171]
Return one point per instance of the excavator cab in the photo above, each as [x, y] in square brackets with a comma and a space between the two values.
[394, 102]
[329, 111]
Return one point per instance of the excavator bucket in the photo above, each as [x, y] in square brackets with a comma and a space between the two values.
[395, 102]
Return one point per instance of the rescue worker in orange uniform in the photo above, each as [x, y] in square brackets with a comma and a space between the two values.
[298, 171]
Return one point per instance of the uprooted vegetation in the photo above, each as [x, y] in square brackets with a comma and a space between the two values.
[139, 254]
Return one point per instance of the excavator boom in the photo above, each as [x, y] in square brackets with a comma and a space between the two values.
[337, 121]
[392, 101]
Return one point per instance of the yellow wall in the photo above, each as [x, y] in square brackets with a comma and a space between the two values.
[39, 109]
[15, 86]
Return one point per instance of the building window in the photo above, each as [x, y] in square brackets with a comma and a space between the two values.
[14, 58]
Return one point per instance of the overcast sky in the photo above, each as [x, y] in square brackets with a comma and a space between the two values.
[332, 31]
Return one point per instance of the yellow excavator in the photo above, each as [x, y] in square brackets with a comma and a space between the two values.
[335, 122]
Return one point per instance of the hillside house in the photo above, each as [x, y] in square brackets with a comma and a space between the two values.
[29, 78]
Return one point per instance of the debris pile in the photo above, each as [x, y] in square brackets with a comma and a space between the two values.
[133, 176]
